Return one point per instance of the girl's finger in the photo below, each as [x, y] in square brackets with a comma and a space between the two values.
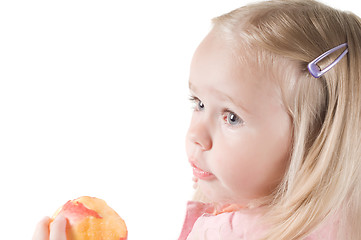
[58, 228]
[42, 230]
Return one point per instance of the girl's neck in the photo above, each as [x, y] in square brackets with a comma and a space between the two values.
[218, 208]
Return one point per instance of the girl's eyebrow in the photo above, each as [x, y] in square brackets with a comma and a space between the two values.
[228, 98]
[190, 85]
[237, 104]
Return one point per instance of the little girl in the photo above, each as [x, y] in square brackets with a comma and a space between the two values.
[275, 137]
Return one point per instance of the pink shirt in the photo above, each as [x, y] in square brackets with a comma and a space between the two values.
[201, 223]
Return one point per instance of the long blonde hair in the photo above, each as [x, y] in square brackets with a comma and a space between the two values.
[323, 176]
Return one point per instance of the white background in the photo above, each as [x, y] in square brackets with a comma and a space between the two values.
[94, 101]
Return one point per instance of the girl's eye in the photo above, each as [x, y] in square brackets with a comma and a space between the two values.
[233, 119]
[197, 104]
[200, 105]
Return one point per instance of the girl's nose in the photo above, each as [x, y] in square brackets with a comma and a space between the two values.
[198, 134]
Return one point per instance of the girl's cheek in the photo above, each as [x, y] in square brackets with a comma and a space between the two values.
[236, 162]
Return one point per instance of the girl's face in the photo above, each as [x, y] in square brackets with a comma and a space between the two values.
[239, 139]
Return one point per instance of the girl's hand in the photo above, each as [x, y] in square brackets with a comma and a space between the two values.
[57, 229]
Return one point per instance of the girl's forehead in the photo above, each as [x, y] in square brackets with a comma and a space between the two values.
[216, 59]
[216, 70]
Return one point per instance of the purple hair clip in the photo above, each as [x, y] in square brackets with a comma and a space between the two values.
[316, 71]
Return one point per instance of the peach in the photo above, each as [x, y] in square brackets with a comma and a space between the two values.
[90, 218]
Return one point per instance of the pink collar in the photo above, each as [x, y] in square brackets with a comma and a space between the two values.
[198, 209]
[233, 223]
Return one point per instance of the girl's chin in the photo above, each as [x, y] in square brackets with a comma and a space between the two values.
[209, 194]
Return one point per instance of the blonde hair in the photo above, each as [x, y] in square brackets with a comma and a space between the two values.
[323, 176]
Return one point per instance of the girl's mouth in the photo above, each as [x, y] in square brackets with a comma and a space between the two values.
[201, 174]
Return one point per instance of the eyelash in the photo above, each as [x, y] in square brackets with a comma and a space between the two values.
[226, 113]
[195, 103]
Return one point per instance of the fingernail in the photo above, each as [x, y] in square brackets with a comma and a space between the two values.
[45, 219]
[59, 218]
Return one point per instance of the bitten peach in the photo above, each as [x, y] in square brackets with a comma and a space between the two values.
[90, 218]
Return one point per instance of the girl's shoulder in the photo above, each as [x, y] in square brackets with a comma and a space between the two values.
[204, 221]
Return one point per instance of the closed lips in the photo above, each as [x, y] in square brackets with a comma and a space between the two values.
[201, 174]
